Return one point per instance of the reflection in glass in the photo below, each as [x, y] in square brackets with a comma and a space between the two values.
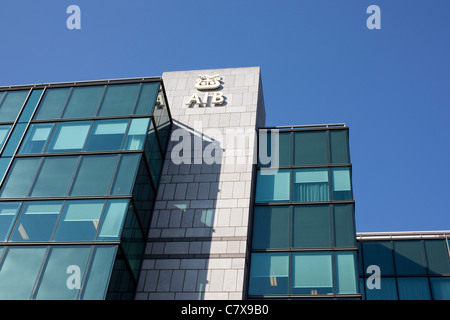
[311, 185]
[8, 212]
[273, 185]
[83, 102]
[52, 103]
[312, 273]
[106, 135]
[113, 219]
[69, 136]
[36, 138]
[20, 176]
[269, 273]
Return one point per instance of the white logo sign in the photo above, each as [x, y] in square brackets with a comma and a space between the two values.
[206, 82]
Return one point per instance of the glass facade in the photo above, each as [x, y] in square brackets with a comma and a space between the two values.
[79, 171]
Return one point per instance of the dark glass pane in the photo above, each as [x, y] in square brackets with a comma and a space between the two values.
[126, 174]
[113, 218]
[387, 290]
[52, 104]
[54, 177]
[37, 221]
[311, 185]
[69, 136]
[346, 276]
[339, 146]
[409, 257]
[269, 274]
[14, 139]
[440, 287]
[311, 227]
[310, 147]
[133, 241]
[147, 98]
[20, 176]
[379, 253]
[8, 213]
[4, 129]
[341, 184]
[36, 139]
[11, 104]
[119, 100]
[344, 225]
[153, 154]
[437, 257]
[312, 273]
[273, 185]
[83, 102]
[284, 149]
[30, 105]
[271, 227]
[106, 135]
[162, 119]
[413, 288]
[94, 175]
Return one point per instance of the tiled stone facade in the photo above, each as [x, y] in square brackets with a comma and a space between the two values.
[198, 241]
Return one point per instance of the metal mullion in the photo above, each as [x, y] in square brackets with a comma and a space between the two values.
[63, 109]
[75, 173]
[125, 135]
[86, 271]
[40, 274]
[100, 220]
[138, 96]
[15, 221]
[105, 86]
[114, 175]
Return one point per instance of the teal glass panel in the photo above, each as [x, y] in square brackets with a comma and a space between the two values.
[311, 185]
[37, 221]
[99, 273]
[36, 139]
[62, 275]
[52, 104]
[162, 119]
[284, 149]
[413, 288]
[4, 163]
[311, 226]
[83, 102]
[136, 134]
[19, 270]
[30, 105]
[119, 100]
[273, 185]
[106, 135]
[14, 140]
[69, 136]
[437, 257]
[113, 219]
[11, 104]
[310, 147]
[54, 177]
[8, 213]
[271, 227]
[346, 275]
[19, 178]
[344, 225]
[269, 273]
[153, 154]
[4, 130]
[409, 257]
[339, 146]
[79, 220]
[94, 175]
[133, 241]
[440, 288]
[379, 253]
[126, 174]
[341, 184]
[147, 98]
[312, 273]
[387, 290]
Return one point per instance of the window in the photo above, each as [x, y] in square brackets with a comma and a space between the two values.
[387, 291]
[83, 102]
[147, 98]
[69, 136]
[52, 103]
[153, 153]
[136, 134]
[344, 225]
[273, 185]
[413, 288]
[312, 226]
[36, 139]
[409, 257]
[30, 105]
[312, 273]
[125, 174]
[106, 135]
[437, 257]
[339, 146]
[310, 147]
[341, 184]
[284, 148]
[311, 185]
[440, 287]
[4, 129]
[113, 219]
[20, 176]
[119, 100]
[8, 213]
[162, 119]
[14, 139]
[269, 274]
[379, 253]
[133, 241]
[271, 227]
[10, 104]
[346, 276]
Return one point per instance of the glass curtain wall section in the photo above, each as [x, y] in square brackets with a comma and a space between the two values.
[80, 179]
[303, 235]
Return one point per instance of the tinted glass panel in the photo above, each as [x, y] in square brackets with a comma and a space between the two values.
[379, 253]
[4, 129]
[311, 185]
[339, 146]
[30, 105]
[14, 139]
[387, 290]
[11, 104]
[269, 274]
[69, 136]
[284, 148]
[136, 134]
[147, 98]
[83, 102]
[18, 181]
[113, 219]
[126, 173]
[273, 185]
[119, 100]
[153, 153]
[437, 256]
[409, 257]
[36, 139]
[346, 276]
[310, 148]
[271, 227]
[52, 103]
[8, 212]
[413, 288]
[133, 241]
[162, 119]
[341, 187]
[106, 135]
[312, 226]
[440, 287]
[344, 225]
[312, 273]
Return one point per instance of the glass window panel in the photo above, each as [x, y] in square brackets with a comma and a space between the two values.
[410, 288]
[273, 185]
[379, 253]
[311, 226]
[133, 241]
[79, 220]
[106, 135]
[344, 225]
[269, 274]
[52, 103]
[284, 149]
[346, 275]
[113, 219]
[4, 162]
[311, 185]
[136, 134]
[341, 185]
[54, 177]
[14, 139]
[69, 136]
[310, 147]
[98, 275]
[339, 146]
[19, 270]
[11, 104]
[20, 176]
[63, 273]
[37, 221]
[437, 257]
[409, 257]
[147, 98]
[83, 102]
[440, 288]
[387, 290]
[271, 227]
[153, 154]
[162, 119]
[4, 129]
[36, 138]
[126, 174]
[8, 213]
[312, 273]
[119, 100]
[30, 105]
[94, 175]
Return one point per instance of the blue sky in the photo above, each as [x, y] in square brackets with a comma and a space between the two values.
[319, 62]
